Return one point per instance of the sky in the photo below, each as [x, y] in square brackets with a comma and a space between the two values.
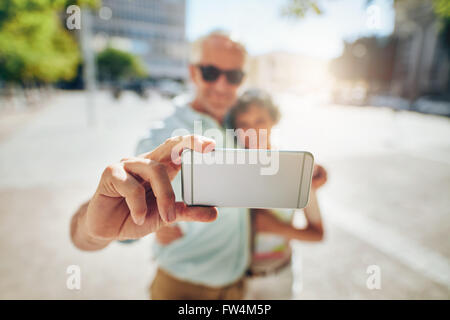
[260, 25]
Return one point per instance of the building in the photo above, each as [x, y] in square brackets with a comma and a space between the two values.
[283, 71]
[408, 70]
[154, 30]
[421, 63]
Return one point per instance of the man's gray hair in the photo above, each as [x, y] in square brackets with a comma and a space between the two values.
[197, 46]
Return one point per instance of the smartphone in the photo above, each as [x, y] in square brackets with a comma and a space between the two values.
[246, 178]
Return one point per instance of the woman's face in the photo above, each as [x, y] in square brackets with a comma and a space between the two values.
[258, 119]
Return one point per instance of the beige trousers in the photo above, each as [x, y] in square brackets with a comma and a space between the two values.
[167, 287]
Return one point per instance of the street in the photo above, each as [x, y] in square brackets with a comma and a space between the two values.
[386, 202]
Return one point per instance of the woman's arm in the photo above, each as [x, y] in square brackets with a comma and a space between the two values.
[313, 217]
[266, 221]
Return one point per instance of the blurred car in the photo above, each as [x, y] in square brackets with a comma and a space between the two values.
[433, 105]
[140, 87]
[169, 88]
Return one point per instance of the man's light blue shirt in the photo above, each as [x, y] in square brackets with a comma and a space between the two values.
[213, 254]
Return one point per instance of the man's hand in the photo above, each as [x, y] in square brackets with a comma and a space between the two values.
[319, 177]
[135, 197]
[166, 235]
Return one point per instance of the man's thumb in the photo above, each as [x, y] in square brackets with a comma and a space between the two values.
[200, 214]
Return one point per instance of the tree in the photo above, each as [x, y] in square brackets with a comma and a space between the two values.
[442, 11]
[299, 8]
[34, 46]
[115, 65]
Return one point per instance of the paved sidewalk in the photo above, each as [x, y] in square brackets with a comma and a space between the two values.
[386, 202]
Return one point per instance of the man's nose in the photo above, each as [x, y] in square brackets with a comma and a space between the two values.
[222, 84]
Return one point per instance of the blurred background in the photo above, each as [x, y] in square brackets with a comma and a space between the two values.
[364, 85]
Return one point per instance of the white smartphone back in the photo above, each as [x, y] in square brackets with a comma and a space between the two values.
[247, 178]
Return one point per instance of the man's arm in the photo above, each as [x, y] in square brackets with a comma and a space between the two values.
[79, 235]
[135, 197]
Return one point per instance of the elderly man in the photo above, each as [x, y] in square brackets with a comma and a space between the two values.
[206, 261]
[196, 260]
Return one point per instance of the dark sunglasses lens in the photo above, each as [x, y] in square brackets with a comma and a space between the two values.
[210, 73]
[235, 76]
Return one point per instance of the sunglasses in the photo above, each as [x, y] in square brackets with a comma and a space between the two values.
[211, 74]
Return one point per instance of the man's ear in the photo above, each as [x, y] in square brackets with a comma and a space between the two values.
[193, 73]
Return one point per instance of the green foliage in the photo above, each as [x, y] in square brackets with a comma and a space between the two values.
[9, 9]
[442, 8]
[116, 65]
[34, 45]
[299, 8]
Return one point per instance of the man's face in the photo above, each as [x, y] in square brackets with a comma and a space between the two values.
[218, 96]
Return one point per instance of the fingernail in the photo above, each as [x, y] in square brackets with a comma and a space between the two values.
[206, 139]
[171, 214]
[139, 220]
